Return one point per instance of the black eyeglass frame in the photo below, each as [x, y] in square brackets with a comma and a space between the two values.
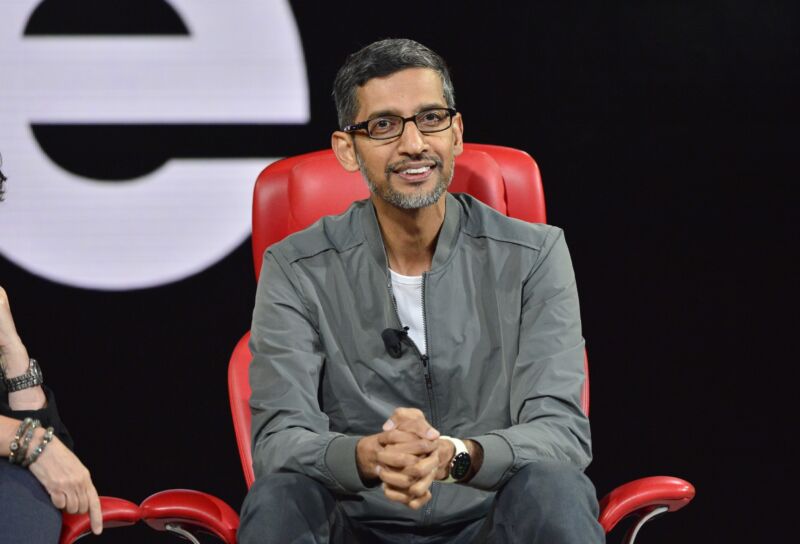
[364, 125]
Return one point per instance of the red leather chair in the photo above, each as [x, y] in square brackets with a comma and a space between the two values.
[293, 193]
[116, 513]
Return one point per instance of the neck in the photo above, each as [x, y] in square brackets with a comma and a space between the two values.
[410, 235]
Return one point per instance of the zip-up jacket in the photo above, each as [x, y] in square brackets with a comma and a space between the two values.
[504, 361]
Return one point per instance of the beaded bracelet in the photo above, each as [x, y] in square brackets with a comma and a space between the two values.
[14, 446]
[23, 449]
[48, 436]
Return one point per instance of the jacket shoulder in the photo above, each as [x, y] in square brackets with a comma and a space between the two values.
[329, 233]
[482, 221]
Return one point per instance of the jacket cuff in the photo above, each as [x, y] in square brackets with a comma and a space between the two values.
[498, 457]
[340, 460]
[48, 416]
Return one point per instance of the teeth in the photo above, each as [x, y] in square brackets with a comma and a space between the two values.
[417, 170]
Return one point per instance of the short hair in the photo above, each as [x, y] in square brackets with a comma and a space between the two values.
[380, 59]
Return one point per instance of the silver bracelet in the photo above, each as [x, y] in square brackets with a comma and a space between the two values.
[14, 446]
[48, 436]
[23, 449]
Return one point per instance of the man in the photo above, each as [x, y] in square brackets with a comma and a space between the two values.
[417, 360]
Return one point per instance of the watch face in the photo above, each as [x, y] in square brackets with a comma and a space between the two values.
[460, 466]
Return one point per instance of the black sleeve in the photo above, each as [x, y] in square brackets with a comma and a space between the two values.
[48, 416]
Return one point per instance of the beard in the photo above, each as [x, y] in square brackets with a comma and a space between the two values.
[413, 201]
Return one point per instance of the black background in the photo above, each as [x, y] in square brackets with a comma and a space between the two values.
[666, 135]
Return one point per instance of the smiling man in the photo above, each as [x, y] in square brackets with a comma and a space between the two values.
[417, 360]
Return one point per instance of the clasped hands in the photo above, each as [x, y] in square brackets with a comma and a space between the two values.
[406, 457]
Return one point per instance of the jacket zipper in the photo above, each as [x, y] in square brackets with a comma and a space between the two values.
[423, 357]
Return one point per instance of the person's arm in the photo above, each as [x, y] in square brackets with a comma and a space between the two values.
[35, 402]
[289, 429]
[548, 421]
[14, 360]
[547, 382]
[62, 474]
[58, 470]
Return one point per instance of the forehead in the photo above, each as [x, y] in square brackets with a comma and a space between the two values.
[403, 92]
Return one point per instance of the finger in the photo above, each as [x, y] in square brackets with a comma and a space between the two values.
[419, 502]
[419, 427]
[421, 486]
[73, 502]
[396, 459]
[395, 495]
[395, 436]
[83, 501]
[59, 500]
[423, 467]
[400, 415]
[95, 512]
[416, 446]
[396, 480]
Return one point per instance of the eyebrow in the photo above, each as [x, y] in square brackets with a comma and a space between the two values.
[382, 113]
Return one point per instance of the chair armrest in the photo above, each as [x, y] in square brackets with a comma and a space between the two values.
[642, 496]
[184, 510]
[116, 513]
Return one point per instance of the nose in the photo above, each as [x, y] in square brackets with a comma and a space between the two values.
[412, 141]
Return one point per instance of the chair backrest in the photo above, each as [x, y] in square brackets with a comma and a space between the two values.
[293, 193]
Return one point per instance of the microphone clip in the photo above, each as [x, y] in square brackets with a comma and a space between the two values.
[393, 341]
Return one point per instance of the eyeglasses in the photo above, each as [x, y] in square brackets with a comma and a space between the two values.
[386, 127]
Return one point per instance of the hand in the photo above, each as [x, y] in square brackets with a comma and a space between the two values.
[67, 481]
[411, 459]
[409, 484]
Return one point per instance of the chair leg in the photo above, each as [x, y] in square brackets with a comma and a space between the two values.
[631, 536]
[177, 529]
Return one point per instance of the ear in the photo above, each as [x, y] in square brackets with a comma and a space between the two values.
[458, 135]
[345, 150]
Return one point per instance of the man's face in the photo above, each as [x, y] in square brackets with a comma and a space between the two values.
[413, 170]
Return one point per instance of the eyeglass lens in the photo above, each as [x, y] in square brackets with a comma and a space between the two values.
[390, 126]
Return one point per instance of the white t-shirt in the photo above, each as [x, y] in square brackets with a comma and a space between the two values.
[408, 295]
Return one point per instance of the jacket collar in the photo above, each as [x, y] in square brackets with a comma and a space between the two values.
[448, 235]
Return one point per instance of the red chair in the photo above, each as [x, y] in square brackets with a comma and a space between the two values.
[116, 513]
[293, 193]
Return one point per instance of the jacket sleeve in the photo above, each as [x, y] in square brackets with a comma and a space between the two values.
[548, 422]
[290, 431]
[47, 416]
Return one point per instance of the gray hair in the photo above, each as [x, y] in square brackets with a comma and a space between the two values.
[381, 59]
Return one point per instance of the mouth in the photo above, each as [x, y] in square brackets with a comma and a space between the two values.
[415, 172]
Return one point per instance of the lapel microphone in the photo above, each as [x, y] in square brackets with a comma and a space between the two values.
[393, 341]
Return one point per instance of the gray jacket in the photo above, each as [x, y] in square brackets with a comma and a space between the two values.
[504, 365]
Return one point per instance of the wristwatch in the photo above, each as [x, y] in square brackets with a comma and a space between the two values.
[461, 462]
[31, 378]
